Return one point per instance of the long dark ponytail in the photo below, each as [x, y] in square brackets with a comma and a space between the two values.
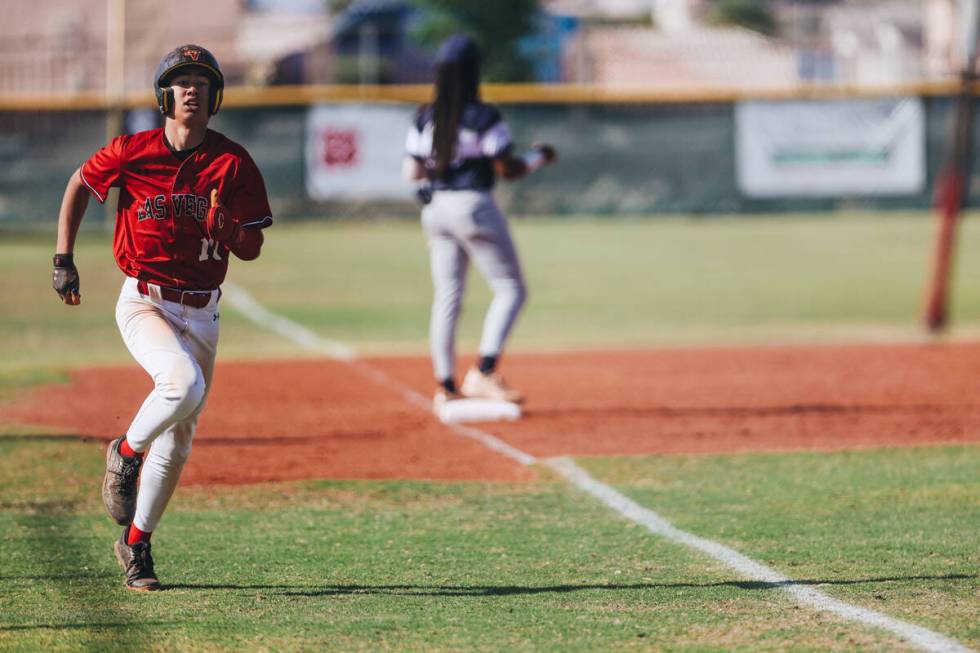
[457, 84]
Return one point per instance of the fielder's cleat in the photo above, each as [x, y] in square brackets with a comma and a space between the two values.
[119, 484]
[441, 398]
[137, 563]
[477, 385]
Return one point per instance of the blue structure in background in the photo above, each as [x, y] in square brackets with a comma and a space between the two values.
[385, 27]
[544, 49]
[391, 23]
[287, 6]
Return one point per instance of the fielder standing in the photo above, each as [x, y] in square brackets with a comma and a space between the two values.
[459, 145]
[189, 198]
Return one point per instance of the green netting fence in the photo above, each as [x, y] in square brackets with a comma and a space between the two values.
[630, 158]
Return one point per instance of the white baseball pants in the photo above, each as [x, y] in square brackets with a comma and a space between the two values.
[460, 226]
[176, 345]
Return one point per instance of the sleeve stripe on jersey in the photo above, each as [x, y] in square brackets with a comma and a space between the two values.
[89, 186]
[261, 223]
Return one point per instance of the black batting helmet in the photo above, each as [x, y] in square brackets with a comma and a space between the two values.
[186, 56]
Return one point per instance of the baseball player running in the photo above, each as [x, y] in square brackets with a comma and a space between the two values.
[189, 198]
[458, 145]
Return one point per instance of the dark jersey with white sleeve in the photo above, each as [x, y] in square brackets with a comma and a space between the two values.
[483, 136]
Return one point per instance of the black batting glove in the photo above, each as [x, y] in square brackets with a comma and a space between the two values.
[64, 279]
[424, 193]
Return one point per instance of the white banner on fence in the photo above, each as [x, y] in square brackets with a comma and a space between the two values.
[830, 148]
[354, 152]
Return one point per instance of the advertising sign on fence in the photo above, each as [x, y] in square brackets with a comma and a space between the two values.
[354, 152]
[830, 148]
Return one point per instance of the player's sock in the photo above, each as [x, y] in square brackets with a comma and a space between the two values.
[128, 451]
[136, 535]
[487, 364]
[449, 385]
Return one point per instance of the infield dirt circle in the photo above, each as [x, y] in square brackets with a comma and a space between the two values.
[306, 419]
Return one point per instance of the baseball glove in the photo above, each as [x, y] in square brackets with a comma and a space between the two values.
[220, 226]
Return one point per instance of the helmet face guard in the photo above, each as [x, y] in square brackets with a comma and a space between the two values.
[187, 56]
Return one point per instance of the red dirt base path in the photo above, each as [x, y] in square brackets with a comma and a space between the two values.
[290, 420]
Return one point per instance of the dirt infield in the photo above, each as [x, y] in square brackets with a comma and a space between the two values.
[289, 420]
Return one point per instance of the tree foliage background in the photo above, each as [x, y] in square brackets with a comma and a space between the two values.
[752, 14]
[496, 25]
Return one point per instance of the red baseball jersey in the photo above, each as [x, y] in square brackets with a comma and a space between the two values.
[163, 203]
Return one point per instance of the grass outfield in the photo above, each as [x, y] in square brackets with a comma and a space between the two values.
[426, 566]
[593, 283]
[369, 565]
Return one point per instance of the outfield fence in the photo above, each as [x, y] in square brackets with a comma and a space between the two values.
[330, 152]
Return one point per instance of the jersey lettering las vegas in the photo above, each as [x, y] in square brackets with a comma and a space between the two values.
[163, 202]
[182, 205]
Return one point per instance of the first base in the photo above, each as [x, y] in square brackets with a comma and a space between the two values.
[478, 410]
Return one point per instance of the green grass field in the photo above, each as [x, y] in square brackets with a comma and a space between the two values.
[425, 566]
[421, 566]
[593, 283]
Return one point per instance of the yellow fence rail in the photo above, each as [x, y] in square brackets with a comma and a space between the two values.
[252, 96]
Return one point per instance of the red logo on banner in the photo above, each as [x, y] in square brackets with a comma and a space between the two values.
[339, 147]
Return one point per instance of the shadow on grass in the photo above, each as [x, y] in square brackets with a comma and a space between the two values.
[508, 590]
[66, 578]
[55, 437]
[764, 585]
[32, 508]
[93, 625]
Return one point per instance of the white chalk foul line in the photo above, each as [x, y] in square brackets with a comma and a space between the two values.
[918, 636]
[260, 315]
[242, 300]
[923, 638]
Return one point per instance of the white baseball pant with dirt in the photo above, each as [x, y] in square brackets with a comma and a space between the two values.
[464, 225]
[176, 345]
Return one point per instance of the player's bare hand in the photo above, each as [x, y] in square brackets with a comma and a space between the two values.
[549, 152]
[65, 280]
[220, 226]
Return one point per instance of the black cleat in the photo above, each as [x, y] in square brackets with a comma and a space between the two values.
[137, 562]
[119, 484]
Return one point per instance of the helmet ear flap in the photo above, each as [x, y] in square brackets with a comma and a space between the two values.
[166, 100]
[216, 100]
